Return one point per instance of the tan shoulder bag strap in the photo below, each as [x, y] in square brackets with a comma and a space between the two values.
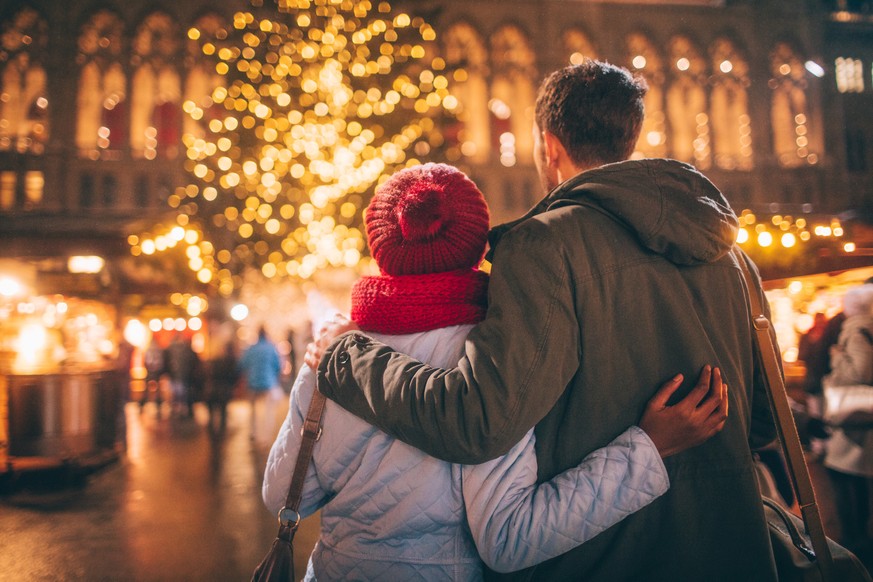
[311, 431]
[785, 426]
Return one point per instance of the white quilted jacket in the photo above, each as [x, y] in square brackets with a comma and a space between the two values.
[391, 512]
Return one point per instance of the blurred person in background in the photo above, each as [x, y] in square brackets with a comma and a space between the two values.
[155, 365]
[185, 371]
[849, 452]
[223, 377]
[261, 366]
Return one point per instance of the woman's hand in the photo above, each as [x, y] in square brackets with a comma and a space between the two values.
[332, 329]
[692, 420]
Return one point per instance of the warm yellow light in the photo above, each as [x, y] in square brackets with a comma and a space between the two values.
[788, 240]
[742, 236]
[136, 333]
[85, 264]
[239, 312]
[849, 247]
[765, 239]
[177, 233]
[10, 287]
[30, 345]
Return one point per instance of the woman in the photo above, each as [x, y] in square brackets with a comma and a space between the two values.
[391, 512]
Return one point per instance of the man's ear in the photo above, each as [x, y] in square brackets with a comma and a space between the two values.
[553, 149]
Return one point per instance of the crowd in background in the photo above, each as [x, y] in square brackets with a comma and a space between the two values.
[176, 375]
[838, 355]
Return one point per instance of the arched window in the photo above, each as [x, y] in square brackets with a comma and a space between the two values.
[645, 60]
[729, 107]
[102, 105]
[686, 104]
[467, 58]
[202, 79]
[513, 96]
[796, 141]
[156, 100]
[578, 46]
[23, 97]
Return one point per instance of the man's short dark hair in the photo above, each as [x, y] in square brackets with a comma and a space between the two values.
[594, 109]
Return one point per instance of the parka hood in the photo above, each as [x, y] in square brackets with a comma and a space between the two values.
[674, 210]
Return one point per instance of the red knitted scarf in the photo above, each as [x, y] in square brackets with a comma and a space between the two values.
[413, 303]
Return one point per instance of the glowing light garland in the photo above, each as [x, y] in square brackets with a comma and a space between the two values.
[322, 100]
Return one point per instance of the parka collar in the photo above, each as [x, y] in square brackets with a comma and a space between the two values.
[673, 209]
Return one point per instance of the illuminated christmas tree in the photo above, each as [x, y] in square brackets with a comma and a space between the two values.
[316, 102]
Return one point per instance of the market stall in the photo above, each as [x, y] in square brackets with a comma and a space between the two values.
[61, 389]
[794, 303]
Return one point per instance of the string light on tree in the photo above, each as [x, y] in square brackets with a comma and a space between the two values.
[322, 99]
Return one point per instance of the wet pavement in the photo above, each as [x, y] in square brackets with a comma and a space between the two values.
[183, 503]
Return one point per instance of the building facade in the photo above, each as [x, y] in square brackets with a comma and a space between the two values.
[771, 99]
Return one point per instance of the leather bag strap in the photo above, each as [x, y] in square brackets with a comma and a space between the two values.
[311, 432]
[785, 426]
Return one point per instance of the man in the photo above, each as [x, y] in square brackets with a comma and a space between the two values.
[619, 277]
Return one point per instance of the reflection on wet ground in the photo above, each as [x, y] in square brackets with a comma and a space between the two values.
[183, 503]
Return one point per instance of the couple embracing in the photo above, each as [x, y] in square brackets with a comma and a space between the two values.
[566, 417]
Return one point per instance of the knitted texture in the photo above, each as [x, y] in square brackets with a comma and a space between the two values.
[427, 219]
[413, 303]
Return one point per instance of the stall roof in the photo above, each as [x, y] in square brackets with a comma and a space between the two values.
[826, 279]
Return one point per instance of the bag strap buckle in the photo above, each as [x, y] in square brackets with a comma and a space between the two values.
[289, 518]
[761, 323]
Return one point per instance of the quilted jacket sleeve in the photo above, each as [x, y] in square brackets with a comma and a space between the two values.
[283, 454]
[517, 523]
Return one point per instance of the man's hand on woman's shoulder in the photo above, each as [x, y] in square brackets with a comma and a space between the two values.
[332, 329]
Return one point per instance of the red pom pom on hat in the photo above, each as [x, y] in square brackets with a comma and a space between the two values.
[427, 219]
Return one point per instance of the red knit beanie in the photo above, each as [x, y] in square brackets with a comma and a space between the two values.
[427, 219]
